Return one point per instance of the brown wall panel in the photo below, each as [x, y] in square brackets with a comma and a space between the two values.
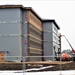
[34, 20]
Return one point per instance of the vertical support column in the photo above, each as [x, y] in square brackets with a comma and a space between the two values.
[24, 67]
[21, 41]
[60, 66]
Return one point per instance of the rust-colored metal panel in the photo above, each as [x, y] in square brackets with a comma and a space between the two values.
[2, 57]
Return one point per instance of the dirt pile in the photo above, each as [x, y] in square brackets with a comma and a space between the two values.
[20, 66]
[69, 66]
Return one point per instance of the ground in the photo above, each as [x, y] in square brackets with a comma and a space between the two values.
[21, 66]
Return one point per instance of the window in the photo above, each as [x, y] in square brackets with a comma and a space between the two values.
[55, 29]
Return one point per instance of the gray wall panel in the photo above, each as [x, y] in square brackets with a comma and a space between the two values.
[10, 42]
[48, 26]
[10, 28]
[48, 36]
[11, 14]
[48, 51]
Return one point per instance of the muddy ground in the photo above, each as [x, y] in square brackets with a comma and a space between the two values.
[69, 66]
[15, 66]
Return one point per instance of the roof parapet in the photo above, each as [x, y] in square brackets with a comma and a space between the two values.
[51, 20]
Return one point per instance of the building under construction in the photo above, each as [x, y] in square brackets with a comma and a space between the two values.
[24, 33]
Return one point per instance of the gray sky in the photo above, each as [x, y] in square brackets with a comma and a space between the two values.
[62, 11]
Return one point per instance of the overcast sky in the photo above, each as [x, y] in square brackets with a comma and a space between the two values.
[63, 11]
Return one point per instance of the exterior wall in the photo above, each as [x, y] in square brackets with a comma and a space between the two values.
[35, 37]
[10, 32]
[24, 32]
[56, 45]
[15, 34]
[32, 19]
[59, 35]
[51, 40]
[48, 51]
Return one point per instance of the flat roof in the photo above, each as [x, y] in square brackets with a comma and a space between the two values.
[51, 20]
[20, 6]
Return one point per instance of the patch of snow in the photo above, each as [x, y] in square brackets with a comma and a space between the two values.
[36, 69]
[67, 72]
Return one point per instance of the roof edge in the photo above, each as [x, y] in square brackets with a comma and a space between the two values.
[51, 20]
[20, 6]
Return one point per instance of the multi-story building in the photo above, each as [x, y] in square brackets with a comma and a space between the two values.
[51, 39]
[22, 33]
